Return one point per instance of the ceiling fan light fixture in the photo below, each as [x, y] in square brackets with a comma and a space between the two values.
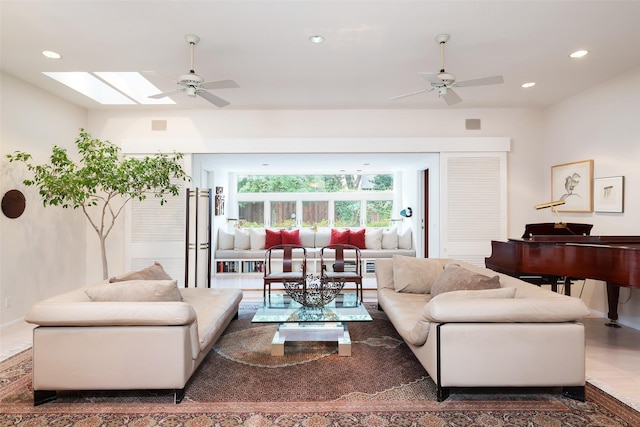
[579, 54]
[528, 84]
[191, 91]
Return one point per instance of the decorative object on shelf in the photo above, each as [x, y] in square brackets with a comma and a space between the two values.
[13, 204]
[608, 194]
[313, 292]
[219, 201]
[573, 183]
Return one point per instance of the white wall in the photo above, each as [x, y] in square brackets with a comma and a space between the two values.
[602, 124]
[42, 253]
[206, 128]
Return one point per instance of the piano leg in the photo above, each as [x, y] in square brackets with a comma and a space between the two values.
[613, 296]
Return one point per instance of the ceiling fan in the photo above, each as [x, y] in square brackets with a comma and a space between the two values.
[444, 82]
[194, 85]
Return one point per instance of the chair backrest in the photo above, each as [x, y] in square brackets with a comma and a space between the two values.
[286, 253]
[339, 256]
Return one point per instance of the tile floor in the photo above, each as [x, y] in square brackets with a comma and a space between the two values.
[613, 354]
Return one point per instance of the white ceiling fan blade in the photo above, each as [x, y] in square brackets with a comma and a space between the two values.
[494, 80]
[215, 100]
[433, 78]
[450, 97]
[409, 94]
[220, 84]
[163, 94]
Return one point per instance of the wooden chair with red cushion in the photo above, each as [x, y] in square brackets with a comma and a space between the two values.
[346, 265]
[284, 268]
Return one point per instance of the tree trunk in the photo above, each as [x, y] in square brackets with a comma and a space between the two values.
[103, 252]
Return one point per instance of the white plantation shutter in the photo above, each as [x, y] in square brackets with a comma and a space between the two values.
[473, 204]
[157, 233]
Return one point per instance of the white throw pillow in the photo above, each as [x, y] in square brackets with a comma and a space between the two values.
[373, 238]
[225, 240]
[242, 240]
[390, 239]
[258, 237]
[136, 291]
[405, 239]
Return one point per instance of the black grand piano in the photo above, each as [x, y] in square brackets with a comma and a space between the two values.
[613, 259]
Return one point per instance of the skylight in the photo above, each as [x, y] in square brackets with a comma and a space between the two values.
[111, 88]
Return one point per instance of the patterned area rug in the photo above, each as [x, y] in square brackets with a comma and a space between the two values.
[240, 384]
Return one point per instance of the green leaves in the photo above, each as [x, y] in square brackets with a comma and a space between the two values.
[100, 176]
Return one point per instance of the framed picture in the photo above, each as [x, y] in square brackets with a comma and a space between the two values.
[608, 194]
[573, 183]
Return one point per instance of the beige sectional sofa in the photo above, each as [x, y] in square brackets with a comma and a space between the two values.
[472, 327]
[139, 333]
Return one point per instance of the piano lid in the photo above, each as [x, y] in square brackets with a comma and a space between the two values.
[554, 229]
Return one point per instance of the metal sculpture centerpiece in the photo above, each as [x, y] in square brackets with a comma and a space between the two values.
[313, 291]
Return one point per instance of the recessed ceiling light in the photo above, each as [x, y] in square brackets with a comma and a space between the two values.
[579, 53]
[316, 39]
[528, 84]
[51, 54]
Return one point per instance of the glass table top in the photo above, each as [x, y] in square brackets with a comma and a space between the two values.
[280, 308]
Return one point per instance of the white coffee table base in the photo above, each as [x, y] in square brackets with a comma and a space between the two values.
[327, 331]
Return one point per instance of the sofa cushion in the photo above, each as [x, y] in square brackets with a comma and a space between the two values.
[225, 239]
[373, 238]
[136, 291]
[272, 238]
[291, 237]
[356, 238]
[390, 239]
[457, 278]
[153, 272]
[482, 293]
[257, 238]
[405, 240]
[339, 237]
[415, 275]
[242, 239]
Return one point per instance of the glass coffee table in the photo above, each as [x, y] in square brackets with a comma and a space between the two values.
[299, 323]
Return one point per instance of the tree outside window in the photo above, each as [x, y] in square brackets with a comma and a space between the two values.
[379, 213]
[347, 213]
[251, 214]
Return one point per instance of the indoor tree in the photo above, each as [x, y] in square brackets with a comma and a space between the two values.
[102, 182]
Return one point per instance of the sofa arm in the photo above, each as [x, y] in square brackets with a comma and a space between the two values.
[111, 314]
[505, 310]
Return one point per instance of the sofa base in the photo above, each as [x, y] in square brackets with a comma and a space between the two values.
[41, 397]
[575, 393]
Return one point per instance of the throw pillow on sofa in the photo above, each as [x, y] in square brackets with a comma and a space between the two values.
[242, 240]
[136, 291]
[290, 237]
[339, 237]
[457, 278]
[373, 238]
[390, 239]
[258, 238]
[415, 275]
[272, 238]
[225, 239]
[153, 272]
[356, 238]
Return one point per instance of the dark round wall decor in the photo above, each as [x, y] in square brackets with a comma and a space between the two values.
[13, 203]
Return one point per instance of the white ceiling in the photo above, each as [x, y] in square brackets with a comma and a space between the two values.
[373, 49]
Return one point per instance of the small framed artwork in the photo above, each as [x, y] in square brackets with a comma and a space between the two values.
[573, 183]
[608, 194]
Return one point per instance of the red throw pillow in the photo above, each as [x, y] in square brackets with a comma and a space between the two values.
[291, 237]
[272, 238]
[339, 237]
[356, 238]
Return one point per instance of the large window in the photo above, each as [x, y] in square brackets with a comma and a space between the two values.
[287, 201]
